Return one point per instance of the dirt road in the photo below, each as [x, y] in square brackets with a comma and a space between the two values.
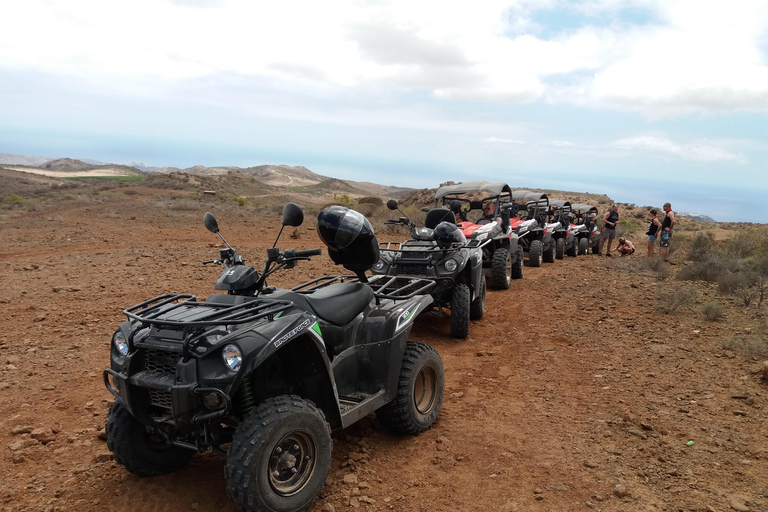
[571, 394]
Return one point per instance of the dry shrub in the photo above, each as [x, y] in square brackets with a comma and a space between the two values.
[130, 192]
[710, 268]
[750, 345]
[701, 246]
[655, 266]
[713, 310]
[375, 201]
[747, 243]
[669, 302]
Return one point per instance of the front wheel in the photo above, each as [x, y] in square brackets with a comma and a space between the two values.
[560, 248]
[142, 450]
[596, 248]
[279, 456]
[517, 266]
[501, 269]
[535, 254]
[583, 246]
[572, 249]
[420, 390]
[549, 254]
[477, 306]
[460, 311]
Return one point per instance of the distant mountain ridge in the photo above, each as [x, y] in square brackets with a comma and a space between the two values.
[696, 216]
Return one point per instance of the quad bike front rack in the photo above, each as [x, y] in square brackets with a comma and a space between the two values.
[209, 313]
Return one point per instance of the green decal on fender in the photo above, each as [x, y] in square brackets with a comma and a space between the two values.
[316, 327]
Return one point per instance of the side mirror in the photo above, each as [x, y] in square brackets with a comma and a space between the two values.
[425, 209]
[392, 204]
[209, 221]
[293, 215]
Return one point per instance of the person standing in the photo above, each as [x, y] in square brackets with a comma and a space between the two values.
[609, 233]
[667, 227]
[654, 226]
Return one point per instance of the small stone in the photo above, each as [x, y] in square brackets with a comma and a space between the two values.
[350, 478]
[441, 439]
[590, 464]
[621, 491]
[646, 426]
[366, 499]
[765, 370]
[484, 353]
[102, 435]
[48, 387]
[739, 502]
[102, 457]
[22, 429]
[327, 507]
[43, 435]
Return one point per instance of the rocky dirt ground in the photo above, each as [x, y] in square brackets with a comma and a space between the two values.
[573, 393]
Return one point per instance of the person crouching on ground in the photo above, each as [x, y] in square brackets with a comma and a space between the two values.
[625, 248]
[654, 226]
[609, 233]
[666, 231]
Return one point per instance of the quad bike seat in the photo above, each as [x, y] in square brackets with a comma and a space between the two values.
[339, 303]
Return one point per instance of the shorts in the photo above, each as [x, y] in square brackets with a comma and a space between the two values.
[609, 233]
[664, 240]
[651, 238]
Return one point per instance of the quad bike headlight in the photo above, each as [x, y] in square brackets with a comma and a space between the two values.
[232, 357]
[120, 343]
[378, 265]
[451, 265]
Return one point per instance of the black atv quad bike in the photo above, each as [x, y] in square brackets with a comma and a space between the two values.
[502, 255]
[262, 375]
[564, 231]
[588, 233]
[440, 253]
[532, 228]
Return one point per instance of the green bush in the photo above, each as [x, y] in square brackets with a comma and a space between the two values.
[343, 200]
[747, 243]
[241, 201]
[713, 310]
[13, 198]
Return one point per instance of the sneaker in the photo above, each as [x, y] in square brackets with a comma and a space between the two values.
[609, 255]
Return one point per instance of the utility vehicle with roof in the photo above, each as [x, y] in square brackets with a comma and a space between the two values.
[564, 231]
[502, 255]
[262, 375]
[531, 226]
[588, 233]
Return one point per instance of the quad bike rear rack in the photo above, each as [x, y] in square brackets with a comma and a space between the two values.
[416, 246]
[211, 313]
[384, 287]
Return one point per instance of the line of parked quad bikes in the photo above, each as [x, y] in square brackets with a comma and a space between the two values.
[263, 375]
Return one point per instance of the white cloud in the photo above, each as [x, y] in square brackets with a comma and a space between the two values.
[702, 151]
[692, 56]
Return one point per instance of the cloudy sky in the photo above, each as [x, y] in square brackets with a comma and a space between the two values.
[645, 100]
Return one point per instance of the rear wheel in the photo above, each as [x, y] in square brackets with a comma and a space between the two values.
[279, 456]
[477, 307]
[560, 248]
[583, 246]
[460, 311]
[501, 269]
[596, 248]
[142, 450]
[535, 253]
[517, 266]
[420, 390]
